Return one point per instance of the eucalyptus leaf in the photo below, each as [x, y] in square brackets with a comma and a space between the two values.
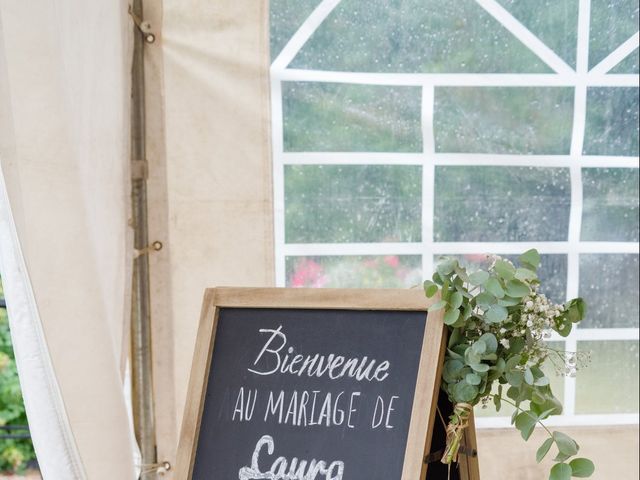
[479, 347]
[494, 288]
[526, 422]
[513, 362]
[498, 368]
[531, 257]
[479, 277]
[455, 337]
[507, 301]
[581, 306]
[430, 288]
[451, 316]
[560, 471]
[515, 378]
[561, 457]
[446, 266]
[446, 292]
[439, 305]
[453, 366]
[463, 291]
[544, 449]
[546, 413]
[461, 273]
[566, 444]
[516, 345]
[513, 417]
[465, 392]
[541, 382]
[525, 275]
[460, 350]
[504, 269]
[528, 376]
[517, 289]
[473, 379]
[564, 328]
[480, 367]
[471, 357]
[490, 341]
[485, 299]
[453, 354]
[456, 300]
[496, 314]
[581, 467]
[537, 398]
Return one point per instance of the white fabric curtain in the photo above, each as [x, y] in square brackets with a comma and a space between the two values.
[64, 243]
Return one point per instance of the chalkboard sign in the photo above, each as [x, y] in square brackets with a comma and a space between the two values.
[303, 384]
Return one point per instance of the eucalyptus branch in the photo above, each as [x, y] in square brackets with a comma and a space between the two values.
[509, 402]
[497, 320]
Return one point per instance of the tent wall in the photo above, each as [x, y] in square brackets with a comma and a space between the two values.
[65, 243]
[210, 174]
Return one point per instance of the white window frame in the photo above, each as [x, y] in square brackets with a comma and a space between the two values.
[579, 79]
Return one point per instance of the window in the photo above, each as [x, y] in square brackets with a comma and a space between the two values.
[407, 130]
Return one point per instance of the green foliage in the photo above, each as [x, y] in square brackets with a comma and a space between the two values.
[14, 453]
[498, 322]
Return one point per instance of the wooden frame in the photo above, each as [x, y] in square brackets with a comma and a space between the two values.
[429, 370]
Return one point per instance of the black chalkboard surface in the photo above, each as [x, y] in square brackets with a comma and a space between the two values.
[312, 384]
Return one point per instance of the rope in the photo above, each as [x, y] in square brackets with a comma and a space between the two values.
[458, 421]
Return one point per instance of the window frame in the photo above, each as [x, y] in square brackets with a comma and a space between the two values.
[580, 79]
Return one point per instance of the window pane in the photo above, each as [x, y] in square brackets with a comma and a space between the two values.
[285, 17]
[501, 204]
[610, 204]
[609, 285]
[353, 203]
[390, 271]
[612, 22]
[612, 122]
[555, 22]
[628, 65]
[334, 117]
[415, 36]
[610, 383]
[503, 120]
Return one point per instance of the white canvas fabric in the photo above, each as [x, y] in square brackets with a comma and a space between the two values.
[64, 241]
[210, 187]
[65, 244]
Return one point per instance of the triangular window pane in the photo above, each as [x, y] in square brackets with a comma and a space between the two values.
[285, 17]
[436, 36]
[555, 22]
[612, 23]
[628, 65]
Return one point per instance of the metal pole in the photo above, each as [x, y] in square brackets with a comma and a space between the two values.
[141, 355]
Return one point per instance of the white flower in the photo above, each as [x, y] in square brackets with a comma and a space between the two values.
[529, 323]
[529, 305]
[505, 343]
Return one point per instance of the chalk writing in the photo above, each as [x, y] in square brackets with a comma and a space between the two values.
[282, 469]
[333, 366]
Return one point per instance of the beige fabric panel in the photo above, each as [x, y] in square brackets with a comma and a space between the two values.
[67, 65]
[209, 72]
[503, 455]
